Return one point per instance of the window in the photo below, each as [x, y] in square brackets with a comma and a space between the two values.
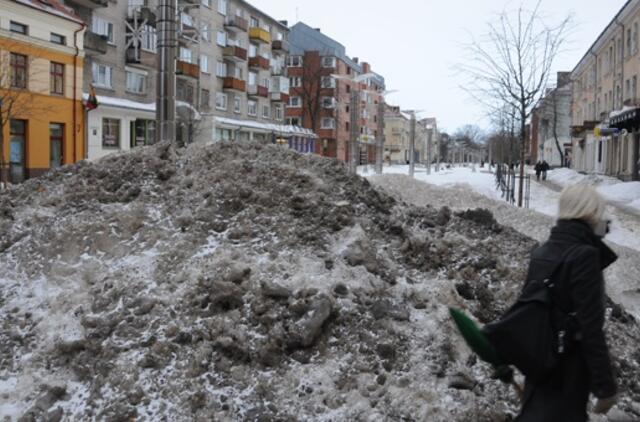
[634, 88]
[103, 27]
[143, 132]
[221, 101]
[266, 82]
[348, 89]
[56, 142]
[186, 19]
[222, 7]
[102, 75]
[19, 28]
[136, 82]
[328, 123]
[221, 38]
[110, 133]
[205, 31]
[17, 142]
[277, 111]
[628, 43]
[293, 121]
[56, 78]
[204, 63]
[294, 61]
[149, 38]
[266, 112]
[328, 102]
[206, 3]
[328, 82]
[635, 38]
[58, 39]
[255, 23]
[186, 55]
[253, 50]
[295, 82]
[221, 69]
[18, 71]
[205, 99]
[252, 108]
[237, 104]
[328, 61]
[295, 102]
[253, 78]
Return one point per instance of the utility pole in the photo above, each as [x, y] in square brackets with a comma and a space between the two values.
[166, 86]
[429, 157]
[412, 146]
[380, 138]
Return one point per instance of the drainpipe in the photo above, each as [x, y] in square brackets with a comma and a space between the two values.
[75, 89]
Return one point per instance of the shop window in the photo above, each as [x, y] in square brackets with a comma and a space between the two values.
[56, 145]
[110, 133]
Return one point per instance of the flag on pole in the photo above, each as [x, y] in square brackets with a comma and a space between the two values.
[92, 101]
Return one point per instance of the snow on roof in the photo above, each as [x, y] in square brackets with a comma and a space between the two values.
[616, 113]
[53, 7]
[285, 130]
[134, 105]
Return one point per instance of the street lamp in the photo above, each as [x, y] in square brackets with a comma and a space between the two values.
[412, 141]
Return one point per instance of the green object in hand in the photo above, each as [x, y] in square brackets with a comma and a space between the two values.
[474, 338]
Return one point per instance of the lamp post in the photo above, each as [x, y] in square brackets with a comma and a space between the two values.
[412, 141]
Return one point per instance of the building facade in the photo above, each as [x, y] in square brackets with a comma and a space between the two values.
[605, 101]
[41, 61]
[332, 94]
[552, 118]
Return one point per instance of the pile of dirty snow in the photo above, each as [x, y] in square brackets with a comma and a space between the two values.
[249, 282]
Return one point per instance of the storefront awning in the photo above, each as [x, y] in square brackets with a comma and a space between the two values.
[278, 130]
[628, 118]
[104, 101]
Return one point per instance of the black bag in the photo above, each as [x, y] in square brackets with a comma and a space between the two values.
[534, 333]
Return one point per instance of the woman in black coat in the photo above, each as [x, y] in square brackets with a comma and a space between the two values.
[576, 246]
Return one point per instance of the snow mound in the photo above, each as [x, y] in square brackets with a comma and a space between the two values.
[246, 282]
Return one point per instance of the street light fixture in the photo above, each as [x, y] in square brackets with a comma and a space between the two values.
[412, 140]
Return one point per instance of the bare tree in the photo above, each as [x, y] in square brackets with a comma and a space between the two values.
[17, 98]
[314, 79]
[512, 65]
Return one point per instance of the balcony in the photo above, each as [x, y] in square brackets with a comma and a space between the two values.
[281, 46]
[259, 62]
[90, 4]
[279, 97]
[141, 14]
[234, 23]
[187, 69]
[95, 44]
[260, 35]
[235, 53]
[278, 70]
[258, 91]
[141, 57]
[233, 84]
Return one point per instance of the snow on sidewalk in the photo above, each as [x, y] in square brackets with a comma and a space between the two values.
[625, 229]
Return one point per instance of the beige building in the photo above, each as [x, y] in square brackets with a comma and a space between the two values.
[397, 134]
[605, 117]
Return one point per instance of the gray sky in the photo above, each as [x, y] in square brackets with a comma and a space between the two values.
[415, 44]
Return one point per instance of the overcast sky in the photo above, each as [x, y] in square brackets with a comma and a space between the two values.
[415, 44]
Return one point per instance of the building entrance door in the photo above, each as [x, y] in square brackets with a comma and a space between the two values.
[18, 131]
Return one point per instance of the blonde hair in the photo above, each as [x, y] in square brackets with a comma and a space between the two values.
[581, 202]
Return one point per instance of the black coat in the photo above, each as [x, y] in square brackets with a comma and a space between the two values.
[579, 288]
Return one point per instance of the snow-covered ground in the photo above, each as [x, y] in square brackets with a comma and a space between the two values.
[625, 229]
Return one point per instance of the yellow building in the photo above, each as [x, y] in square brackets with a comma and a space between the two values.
[41, 67]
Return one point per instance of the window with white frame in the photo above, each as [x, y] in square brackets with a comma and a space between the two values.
[294, 61]
[328, 123]
[221, 69]
[295, 82]
[186, 55]
[102, 75]
[222, 7]
[221, 38]
[103, 27]
[206, 3]
[295, 102]
[328, 82]
[328, 102]
[266, 82]
[293, 121]
[204, 63]
[237, 104]
[255, 23]
[277, 112]
[238, 73]
[136, 81]
[252, 108]
[221, 101]
[253, 78]
[149, 38]
[253, 50]
[328, 61]
[205, 32]
[266, 111]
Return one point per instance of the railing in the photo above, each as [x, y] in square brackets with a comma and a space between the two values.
[506, 180]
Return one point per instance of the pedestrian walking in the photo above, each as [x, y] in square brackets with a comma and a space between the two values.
[538, 169]
[545, 169]
[575, 248]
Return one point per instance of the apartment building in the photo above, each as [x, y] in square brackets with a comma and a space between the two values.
[551, 122]
[605, 120]
[332, 94]
[231, 77]
[397, 147]
[41, 60]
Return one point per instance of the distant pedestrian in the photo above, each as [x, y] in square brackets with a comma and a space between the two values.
[538, 169]
[545, 169]
[577, 256]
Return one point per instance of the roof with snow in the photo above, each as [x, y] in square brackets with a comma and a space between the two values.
[283, 130]
[53, 7]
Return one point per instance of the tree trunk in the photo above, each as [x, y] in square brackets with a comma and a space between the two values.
[522, 147]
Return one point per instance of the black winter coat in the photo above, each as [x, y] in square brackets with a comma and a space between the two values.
[579, 288]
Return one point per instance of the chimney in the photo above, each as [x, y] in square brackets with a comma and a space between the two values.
[564, 78]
